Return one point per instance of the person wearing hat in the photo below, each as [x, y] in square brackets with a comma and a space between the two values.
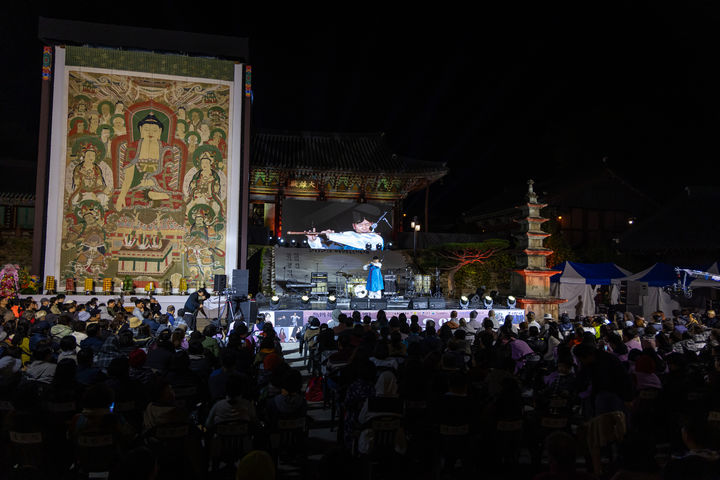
[134, 322]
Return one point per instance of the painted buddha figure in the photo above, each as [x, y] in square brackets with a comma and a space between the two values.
[148, 157]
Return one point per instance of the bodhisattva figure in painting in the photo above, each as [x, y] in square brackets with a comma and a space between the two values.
[88, 181]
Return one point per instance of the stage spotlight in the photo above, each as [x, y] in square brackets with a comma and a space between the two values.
[464, 301]
[475, 300]
[390, 245]
[293, 243]
[511, 301]
[368, 247]
[488, 302]
[331, 302]
[274, 301]
[305, 299]
[305, 243]
[378, 246]
[281, 241]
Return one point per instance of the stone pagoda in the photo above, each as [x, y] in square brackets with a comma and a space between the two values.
[530, 282]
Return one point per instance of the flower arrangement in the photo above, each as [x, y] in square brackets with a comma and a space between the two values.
[9, 280]
[29, 283]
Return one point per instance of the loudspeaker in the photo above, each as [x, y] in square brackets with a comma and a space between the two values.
[378, 304]
[249, 311]
[359, 304]
[219, 283]
[420, 302]
[240, 282]
[436, 303]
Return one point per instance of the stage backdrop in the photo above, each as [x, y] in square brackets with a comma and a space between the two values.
[304, 215]
[145, 151]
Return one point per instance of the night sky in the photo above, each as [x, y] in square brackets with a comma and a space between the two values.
[501, 95]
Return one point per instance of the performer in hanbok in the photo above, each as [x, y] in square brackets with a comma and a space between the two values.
[375, 283]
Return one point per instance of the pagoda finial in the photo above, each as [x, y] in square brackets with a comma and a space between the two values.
[532, 196]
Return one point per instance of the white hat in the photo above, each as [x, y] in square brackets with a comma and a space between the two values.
[548, 316]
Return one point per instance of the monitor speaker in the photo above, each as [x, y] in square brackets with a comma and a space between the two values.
[436, 303]
[420, 303]
[359, 304]
[378, 304]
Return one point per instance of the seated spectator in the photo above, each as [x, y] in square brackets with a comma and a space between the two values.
[562, 454]
[234, 407]
[62, 328]
[290, 403]
[93, 341]
[138, 370]
[42, 367]
[96, 416]
[702, 460]
[162, 409]
[68, 348]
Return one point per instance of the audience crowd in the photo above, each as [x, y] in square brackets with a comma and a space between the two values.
[130, 390]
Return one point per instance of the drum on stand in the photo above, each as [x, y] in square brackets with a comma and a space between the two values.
[352, 283]
[422, 283]
[360, 291]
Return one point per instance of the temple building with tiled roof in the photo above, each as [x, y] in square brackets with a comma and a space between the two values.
[332, 166]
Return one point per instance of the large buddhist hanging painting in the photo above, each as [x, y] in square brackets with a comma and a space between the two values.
[145, 177]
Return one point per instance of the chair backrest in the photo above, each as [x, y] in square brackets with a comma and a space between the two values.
[171, 432]
[230, 440]
[509, 426]
[289, 432]
[96, 451]
[185, 395]
[384, 432]
[454, 430]
[27, 448]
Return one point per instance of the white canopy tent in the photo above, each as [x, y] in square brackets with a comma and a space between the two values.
[656, 277]
[582, 280]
